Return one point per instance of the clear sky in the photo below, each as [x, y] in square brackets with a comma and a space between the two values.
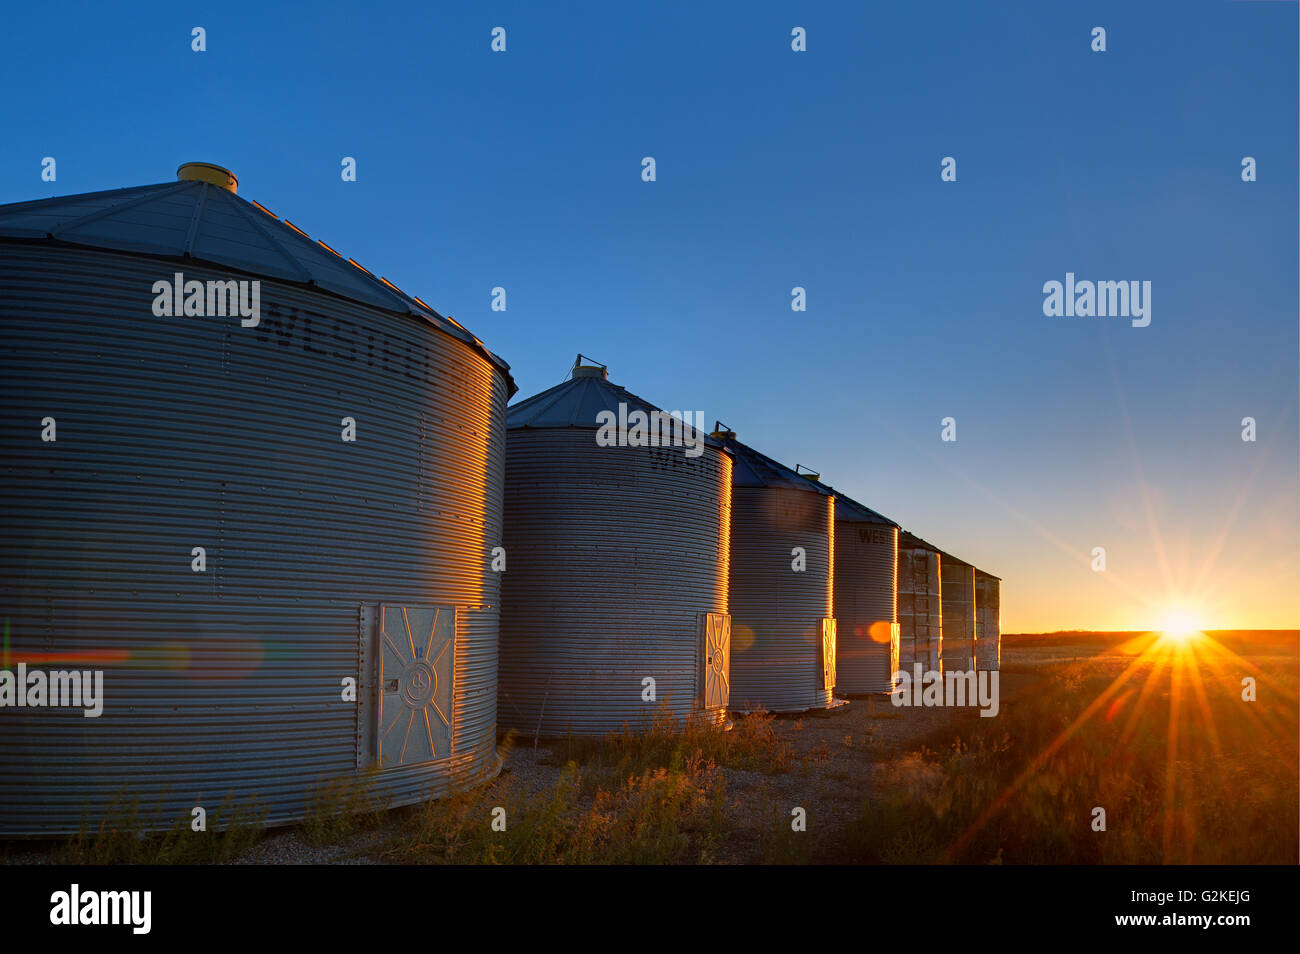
[818, 169]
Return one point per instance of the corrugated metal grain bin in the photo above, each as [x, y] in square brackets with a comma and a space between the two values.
[988, 619]
[783, 629]
[866, 609]
[920, 604]
[263, 511]
[957, 651]
[617, 560]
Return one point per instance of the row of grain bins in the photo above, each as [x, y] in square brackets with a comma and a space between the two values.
[656, 565]
[949, 611]
[278, 511]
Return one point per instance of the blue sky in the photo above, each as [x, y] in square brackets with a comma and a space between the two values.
[819, 169]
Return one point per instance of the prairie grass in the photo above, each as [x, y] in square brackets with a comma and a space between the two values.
[123, 836]
[342, 807]
[657, 816]
[1186, 771]
[779, 843]
[752, 744]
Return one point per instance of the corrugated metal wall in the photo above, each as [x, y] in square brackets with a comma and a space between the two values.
[988, 614]
[920, 609]
[866, 563]
[613, 556]
[777, 613]
[957, 651]
[183, 432]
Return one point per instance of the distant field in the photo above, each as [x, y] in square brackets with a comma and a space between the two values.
[1155, 734]
[1239, 640]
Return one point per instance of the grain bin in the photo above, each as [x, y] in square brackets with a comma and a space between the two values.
[865, 603]
[920, 604]
[257, 488]
[783, 628]
[988, 620]
[957, 651]
[617, 540]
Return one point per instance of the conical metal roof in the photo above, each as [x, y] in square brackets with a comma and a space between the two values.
[577, 401]
[754, 469]
[574, 403]
[846, 508]
[197, 220]
[911, 541]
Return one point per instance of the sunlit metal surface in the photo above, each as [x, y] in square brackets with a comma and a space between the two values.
[183, 432]
[988, 620]
[777, 613]
[957, 651]
[920, 606]
[616, 555]
[866, 612]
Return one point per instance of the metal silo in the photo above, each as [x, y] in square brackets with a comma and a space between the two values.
[866, 609]
[256, 487]
[618, 554]
[920, 604]
[957, 651]
[988, 619]
[783, 629]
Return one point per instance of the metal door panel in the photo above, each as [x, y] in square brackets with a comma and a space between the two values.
[417, 652]
[717, 660]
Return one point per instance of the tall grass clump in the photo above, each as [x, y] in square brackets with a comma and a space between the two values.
[751, 744]
[657, 816]
[125, 834]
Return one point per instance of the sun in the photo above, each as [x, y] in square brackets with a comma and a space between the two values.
[1181, 624]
